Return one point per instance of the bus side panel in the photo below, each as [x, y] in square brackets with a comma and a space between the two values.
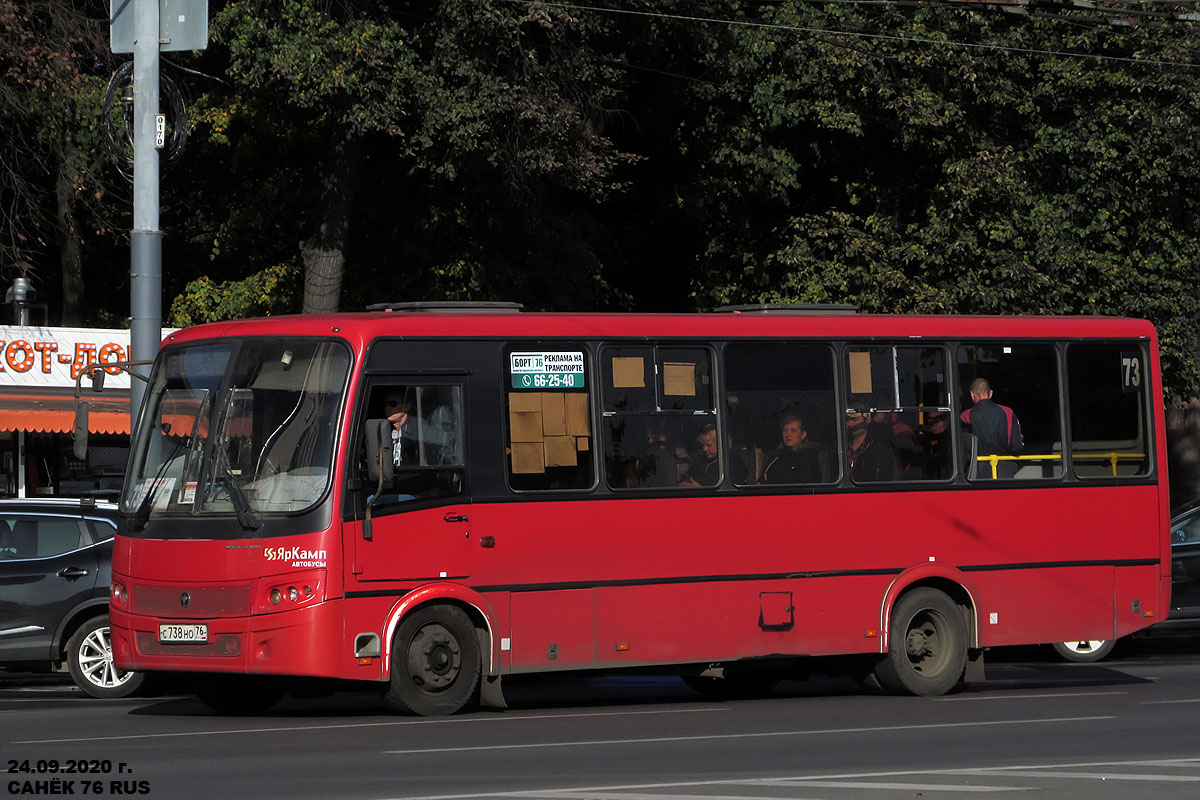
[837, 615]
[364, 615]
[553, 630]
[1045, 605]
[684, 623]
[1136, 597]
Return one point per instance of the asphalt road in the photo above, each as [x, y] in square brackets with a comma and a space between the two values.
[1126, 728]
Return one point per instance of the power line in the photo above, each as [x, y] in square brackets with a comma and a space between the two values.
[859, 34]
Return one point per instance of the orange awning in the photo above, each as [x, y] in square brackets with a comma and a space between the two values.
[55, 413]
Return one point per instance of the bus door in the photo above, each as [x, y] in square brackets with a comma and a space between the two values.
[415, 525]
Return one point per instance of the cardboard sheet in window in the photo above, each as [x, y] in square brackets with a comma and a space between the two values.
[560, 451]
[679, 378]
[860, 373]
[525, 426]
[582, 443]
[527, 458]
[525, 417]
[554, 414]
[577, 414]
[629, 372]
[524, 401]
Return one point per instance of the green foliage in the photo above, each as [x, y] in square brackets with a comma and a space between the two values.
[50, 116]
[925, 158]
[974, 176]
[262, 294]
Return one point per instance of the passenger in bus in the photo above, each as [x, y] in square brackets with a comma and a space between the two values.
[660, 463]
[872, 454]
[397, 408]
[705, 468]
[798, 459]
[935, 442]
[996, 429]
[441, 436]
[910, 457]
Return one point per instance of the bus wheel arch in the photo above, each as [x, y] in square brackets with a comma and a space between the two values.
[950, 583]
[473, 605]
[930, 630]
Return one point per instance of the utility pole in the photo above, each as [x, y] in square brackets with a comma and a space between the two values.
[145, 28]
[145, 268]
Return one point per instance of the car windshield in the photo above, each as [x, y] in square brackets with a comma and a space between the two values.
[245, 427]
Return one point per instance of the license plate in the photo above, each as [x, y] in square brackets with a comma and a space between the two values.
[183, 633]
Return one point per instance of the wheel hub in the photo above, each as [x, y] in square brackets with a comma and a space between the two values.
[918, 643]
[434, 657]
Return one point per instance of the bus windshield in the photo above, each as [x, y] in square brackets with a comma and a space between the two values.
[243, 427]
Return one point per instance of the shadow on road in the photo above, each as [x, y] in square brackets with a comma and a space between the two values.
[1008, 669]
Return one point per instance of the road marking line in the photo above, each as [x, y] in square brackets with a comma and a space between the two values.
[589, 791]
[723, 736]
[460, 721]
[1154, 762]
[1169, 702]
[1022, 696]
[908, 787]
[586, 795]
[1103, 776]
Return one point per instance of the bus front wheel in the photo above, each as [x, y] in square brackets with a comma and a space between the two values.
[927, 645]
[435, 662]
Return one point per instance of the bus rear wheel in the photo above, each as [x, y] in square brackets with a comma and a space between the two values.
[927, 645]
[1086, 651]
[435, 662]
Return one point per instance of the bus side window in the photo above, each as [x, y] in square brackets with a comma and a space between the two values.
[897, 421]
[779, 401]
[427, 448]
[659, 417]
[549, 417]
[1022, 377]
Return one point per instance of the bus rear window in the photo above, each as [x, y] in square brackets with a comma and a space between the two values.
[1107, 383]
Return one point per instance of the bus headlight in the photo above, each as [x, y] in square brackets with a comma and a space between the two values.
[287, 592]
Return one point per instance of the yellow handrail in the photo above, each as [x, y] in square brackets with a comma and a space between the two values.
[1112, 458]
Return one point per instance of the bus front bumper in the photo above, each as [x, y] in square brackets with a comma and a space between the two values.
[302, 642]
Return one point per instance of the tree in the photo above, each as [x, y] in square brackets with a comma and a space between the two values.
[51, 180]
[952, 160]
[445, 134]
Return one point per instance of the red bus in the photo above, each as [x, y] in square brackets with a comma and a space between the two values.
[429, 498]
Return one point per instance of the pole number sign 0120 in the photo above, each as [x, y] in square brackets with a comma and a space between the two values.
[555, 370]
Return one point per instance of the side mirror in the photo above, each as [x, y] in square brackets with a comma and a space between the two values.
[379, 449]
[80, 434]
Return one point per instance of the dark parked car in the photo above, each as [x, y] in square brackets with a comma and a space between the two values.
[55, 570]
[1185, 589]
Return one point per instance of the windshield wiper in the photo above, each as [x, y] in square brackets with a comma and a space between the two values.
[246, 515]
[142, 515]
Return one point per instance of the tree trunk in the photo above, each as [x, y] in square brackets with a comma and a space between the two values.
[324, 253]
[70, 248]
